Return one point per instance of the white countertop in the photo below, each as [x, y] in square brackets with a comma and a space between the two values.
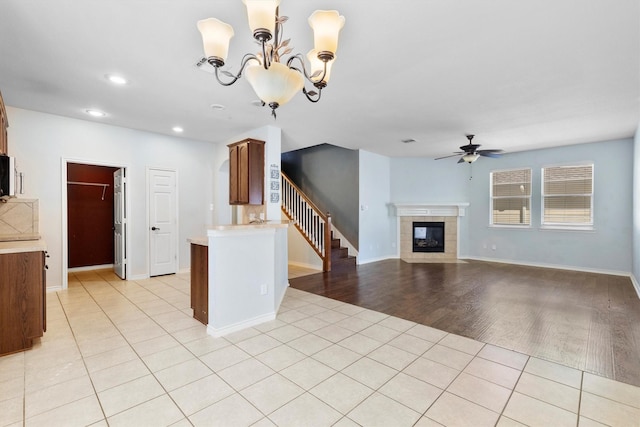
[22, 246]
[265, 224]
[204, 240]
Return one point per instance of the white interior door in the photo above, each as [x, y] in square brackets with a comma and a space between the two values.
[119, 224]
[163, 222]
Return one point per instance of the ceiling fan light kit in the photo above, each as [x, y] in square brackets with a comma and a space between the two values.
[470, 152]
[274, 82]
[470, 158]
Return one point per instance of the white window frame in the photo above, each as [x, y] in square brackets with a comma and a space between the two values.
[579, 226]
[492, 198]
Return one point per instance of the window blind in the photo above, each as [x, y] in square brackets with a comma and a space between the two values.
[567, 195]
[511, 197]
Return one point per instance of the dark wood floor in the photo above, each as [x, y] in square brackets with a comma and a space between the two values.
[583, 320]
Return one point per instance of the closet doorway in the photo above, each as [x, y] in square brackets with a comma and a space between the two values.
[90, 216]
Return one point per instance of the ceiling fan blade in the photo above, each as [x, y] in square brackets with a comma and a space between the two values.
[461, 160]
[446, 157]
[490, 153]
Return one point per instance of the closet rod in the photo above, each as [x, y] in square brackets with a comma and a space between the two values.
[95, 184]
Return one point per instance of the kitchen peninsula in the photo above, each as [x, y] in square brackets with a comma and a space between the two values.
[239, 275]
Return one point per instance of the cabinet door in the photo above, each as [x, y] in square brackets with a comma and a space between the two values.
[246, 172]
[21, 300]
[4, 144]
[4, 149]
[234, 189]
[243, 173]
[255, 173]
[200, 282]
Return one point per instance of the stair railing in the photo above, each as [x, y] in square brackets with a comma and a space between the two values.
[314, 226]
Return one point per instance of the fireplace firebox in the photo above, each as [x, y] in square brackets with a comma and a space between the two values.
[428, 237]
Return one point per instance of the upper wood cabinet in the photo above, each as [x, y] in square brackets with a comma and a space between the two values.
[4, 124]
[246, 172]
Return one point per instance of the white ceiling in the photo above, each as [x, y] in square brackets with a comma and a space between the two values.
[520, 74]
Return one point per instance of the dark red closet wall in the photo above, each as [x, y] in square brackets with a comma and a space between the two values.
[89, 217]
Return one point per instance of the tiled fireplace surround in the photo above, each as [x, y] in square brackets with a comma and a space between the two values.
[449, 213]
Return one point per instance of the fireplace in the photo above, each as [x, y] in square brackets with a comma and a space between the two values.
[447, 212]
[428, 237]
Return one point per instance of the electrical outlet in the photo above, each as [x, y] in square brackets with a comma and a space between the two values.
[263, 289]
[493, 247]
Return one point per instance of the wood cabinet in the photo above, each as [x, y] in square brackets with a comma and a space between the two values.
[200, 282]
[22, 300]
[4, 124]
[246, 172]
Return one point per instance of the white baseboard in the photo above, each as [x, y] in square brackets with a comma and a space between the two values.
[219, 332]
[184, 270]
[370, 260]
[555, 266]
[305, 265]
[636, 285]
[54, 288]
[90, 268]
[138, 277]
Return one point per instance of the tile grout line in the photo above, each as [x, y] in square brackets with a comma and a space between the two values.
[132, 348]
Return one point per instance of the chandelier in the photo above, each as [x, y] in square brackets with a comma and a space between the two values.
[274, 82]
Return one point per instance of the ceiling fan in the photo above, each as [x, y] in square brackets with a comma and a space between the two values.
[470, 152]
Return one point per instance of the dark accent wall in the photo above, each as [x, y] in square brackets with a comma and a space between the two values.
[89, 217]
[329, 176]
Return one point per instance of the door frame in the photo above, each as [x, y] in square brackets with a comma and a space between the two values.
[148, 212]
[64, 214]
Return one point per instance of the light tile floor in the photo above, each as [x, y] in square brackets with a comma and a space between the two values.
[128, 353]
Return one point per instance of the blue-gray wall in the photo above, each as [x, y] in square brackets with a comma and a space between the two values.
[377, 220]
[607, 248]
[329, 176]
[422, 180]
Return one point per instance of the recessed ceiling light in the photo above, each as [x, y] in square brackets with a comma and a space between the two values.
[217, 107]
[177, 129]
[408, 140]
[116, 80]
[95, 113]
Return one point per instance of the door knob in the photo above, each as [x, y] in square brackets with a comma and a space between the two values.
[155, 228]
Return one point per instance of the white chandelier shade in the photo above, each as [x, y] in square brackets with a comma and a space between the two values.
[317, 67]
[326, 26]
[262, 15]
[277, 85]
[274, 80]
[215, 37]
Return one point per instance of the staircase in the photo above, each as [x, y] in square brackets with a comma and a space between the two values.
[340, 258]
[315, 227]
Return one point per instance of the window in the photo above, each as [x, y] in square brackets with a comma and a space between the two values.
[511, 197]
[567, 196]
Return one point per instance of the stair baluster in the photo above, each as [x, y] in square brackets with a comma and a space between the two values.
[308, 219]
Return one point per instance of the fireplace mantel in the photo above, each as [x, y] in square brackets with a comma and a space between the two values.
[431, 209]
